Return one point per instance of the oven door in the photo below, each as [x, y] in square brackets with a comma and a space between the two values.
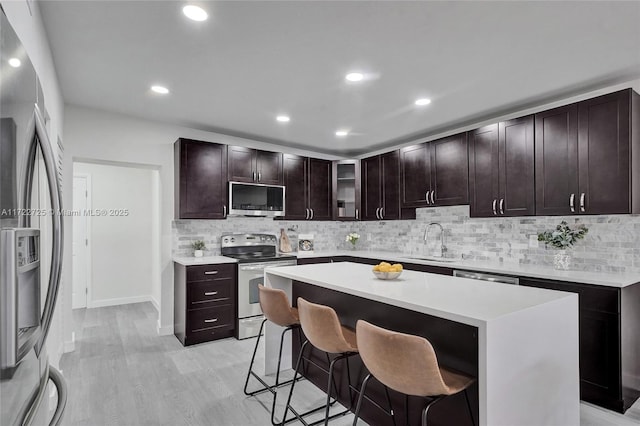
[250, 275]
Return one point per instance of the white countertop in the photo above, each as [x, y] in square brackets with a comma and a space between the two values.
[609, 279]
[457, 299]
[205, 260]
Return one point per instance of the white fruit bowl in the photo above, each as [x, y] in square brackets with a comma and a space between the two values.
[387, 275]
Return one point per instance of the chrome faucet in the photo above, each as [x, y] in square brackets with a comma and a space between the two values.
[438, 252]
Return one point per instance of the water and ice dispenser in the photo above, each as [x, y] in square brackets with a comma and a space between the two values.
[19, 294]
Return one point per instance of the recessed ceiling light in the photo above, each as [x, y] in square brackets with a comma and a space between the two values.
[195, 13]
[283, 118]
[15, 62]
[423, 101]
[354, 76]
[160, 89]
[342, 133]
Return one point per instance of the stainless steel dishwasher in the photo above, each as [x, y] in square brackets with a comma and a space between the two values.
[487, 277]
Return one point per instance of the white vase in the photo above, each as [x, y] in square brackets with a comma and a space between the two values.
[198, 253]
[562, 260]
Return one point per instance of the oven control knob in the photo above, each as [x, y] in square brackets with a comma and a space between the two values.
[225, 240]
[233, 240]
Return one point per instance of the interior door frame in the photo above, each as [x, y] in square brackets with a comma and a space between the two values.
[87, 216]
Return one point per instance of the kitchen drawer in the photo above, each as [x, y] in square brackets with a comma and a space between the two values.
[210, 272]
[210, 318]
[203, 294]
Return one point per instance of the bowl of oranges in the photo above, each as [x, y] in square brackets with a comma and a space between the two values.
[387, 271]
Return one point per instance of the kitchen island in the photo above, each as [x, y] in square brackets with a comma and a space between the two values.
[521, 343]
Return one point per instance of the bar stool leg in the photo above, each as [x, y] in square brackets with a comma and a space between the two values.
[425, 412]
[293, 383]
[466, 396]
[253, 357]
[393, 414]
[361, 397]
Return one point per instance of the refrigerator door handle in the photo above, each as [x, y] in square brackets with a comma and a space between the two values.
[38, 137]
[61, 386]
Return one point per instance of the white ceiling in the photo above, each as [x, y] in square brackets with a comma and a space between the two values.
[251, 61]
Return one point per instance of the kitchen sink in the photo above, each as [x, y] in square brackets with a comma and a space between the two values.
[437, 259]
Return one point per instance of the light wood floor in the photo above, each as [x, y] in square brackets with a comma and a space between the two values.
[123, 373]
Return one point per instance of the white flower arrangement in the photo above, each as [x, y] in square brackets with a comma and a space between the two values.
[352, 238]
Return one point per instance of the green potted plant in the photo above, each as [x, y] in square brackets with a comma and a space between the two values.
[562, 238]
[198, 248]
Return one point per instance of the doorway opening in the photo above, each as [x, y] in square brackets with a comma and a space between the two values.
[116, 234]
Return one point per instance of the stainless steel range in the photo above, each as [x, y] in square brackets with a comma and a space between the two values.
[254, 252]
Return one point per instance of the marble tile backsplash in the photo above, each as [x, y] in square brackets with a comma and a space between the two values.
[612, 244]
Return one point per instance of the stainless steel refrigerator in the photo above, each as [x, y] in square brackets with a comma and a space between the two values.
[30, 243]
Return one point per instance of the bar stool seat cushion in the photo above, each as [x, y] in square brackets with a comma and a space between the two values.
[323, 329]
[276, 308]
[406, 363]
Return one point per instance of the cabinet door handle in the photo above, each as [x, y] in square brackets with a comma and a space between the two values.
[378, 213]
[501, 205]
[381, 213]
[433, 197]
[210, 272]
[224, 211]
[306, 214]
[572, 200]
[259, 176]
[426, 195]
[211, 320]
[210, 293]
[312, 213]
[495, 201]
[357, 214]
[582, 200]
[254, 176]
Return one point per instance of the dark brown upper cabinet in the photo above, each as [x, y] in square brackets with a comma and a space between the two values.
[381, 188]
[200, 176]
[346, 190]
[501, 169]
[435, 173]
[584, 156]
[556, 150]
[308, 190]
[605, 154]
[255, 166]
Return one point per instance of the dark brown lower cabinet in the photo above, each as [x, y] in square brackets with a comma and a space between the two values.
[204, 305]
[609, 341]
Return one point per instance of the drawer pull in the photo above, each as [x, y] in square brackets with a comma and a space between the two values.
[210, 272]
[211, 320]
[210, 293]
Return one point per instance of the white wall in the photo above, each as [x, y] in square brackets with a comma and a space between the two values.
[28, 25]
[121, 245]
[97, 135]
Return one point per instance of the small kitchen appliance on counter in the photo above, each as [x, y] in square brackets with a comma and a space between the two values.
[254, 253]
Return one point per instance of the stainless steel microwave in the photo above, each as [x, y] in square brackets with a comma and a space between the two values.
[253, 199]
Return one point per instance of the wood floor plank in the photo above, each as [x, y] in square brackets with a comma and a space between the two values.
[123, 374]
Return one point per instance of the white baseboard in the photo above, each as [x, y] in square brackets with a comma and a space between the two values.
[167, 330]
[70, 346]
[155, 304]
[118, 301]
